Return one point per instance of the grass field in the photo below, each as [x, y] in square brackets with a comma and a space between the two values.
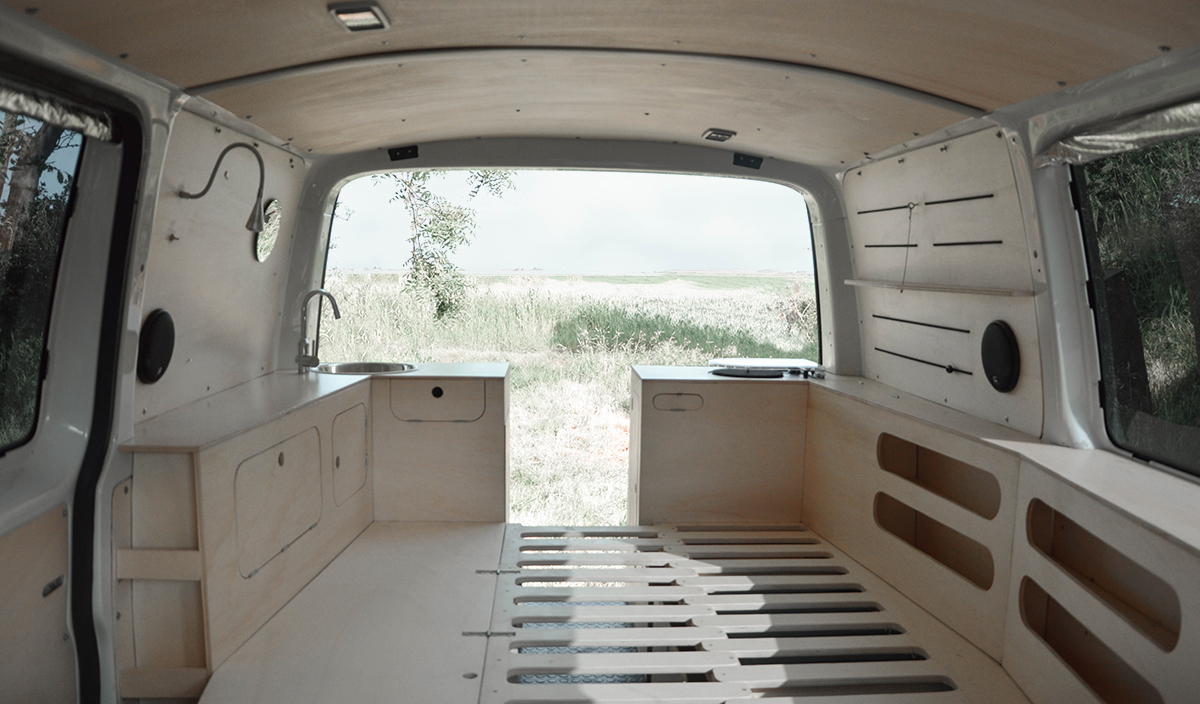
[571, 342]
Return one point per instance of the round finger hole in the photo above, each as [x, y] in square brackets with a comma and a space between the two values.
[437, 392]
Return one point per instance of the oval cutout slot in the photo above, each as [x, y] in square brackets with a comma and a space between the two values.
[962, 555]
[975, 489]
[1143, 598]
[1110, 678]
[678, 402]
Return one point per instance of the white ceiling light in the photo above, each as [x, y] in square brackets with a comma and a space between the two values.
[359, 16]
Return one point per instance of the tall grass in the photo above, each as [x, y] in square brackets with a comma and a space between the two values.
[571, 342]
[1142, 203]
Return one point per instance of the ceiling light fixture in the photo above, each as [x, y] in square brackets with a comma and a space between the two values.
[718, 135]
[359, 16]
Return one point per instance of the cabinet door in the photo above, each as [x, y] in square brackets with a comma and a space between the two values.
[277, 495]
[460, 400]
[349, 453]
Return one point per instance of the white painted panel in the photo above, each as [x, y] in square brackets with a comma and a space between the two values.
[37, 661]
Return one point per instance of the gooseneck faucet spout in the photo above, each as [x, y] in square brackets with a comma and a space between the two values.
[304, 359]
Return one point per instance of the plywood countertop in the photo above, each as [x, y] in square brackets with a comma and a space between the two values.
[650, 372]
[215, 418]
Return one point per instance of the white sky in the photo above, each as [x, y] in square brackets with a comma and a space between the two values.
[580, 222]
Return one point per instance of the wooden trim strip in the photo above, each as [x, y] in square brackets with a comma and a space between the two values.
[173, 565]
[681, 692]
[614, 637]
[619, 663]
[937, 288]
[568, 613]
[163, 682]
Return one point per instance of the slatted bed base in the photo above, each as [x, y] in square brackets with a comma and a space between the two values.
[627, 615]
[714, 614]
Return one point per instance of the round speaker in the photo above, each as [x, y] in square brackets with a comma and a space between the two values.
[1001, 357]
[156, 343]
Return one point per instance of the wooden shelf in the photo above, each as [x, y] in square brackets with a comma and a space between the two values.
[936, 288]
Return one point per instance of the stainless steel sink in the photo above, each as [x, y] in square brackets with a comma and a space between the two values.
[364, 367]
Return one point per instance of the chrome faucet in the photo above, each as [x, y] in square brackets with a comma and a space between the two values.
[304, 360]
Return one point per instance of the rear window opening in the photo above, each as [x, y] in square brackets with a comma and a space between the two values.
[571, 277]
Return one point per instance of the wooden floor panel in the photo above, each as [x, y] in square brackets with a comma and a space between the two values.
[494, 614]
[383, 623]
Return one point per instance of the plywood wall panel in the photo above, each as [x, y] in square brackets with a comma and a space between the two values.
[201, 268]
[956, 210]
[37, 659]
[901, 322]
[1044, 673]
[843, 478]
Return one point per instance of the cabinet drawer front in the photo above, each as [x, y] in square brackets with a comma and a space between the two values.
[437, 399]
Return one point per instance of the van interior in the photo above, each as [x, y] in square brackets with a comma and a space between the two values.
[984, 490]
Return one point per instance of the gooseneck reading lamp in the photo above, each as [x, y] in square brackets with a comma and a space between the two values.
[255, 223]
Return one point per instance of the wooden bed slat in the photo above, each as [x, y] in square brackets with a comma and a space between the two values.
[619, 663]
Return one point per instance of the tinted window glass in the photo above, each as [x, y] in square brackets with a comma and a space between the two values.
[37, 167]
[1142, 217]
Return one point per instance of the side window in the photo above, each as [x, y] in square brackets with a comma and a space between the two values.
[1141, 216]
[37, 168]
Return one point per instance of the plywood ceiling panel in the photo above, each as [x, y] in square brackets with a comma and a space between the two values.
[980, 54]
[985, 53]
[777, 110]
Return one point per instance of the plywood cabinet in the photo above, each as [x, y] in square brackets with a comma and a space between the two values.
[441, 443]
[236, 502]
[709, 449]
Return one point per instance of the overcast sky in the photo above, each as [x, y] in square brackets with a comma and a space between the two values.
[579, 222]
